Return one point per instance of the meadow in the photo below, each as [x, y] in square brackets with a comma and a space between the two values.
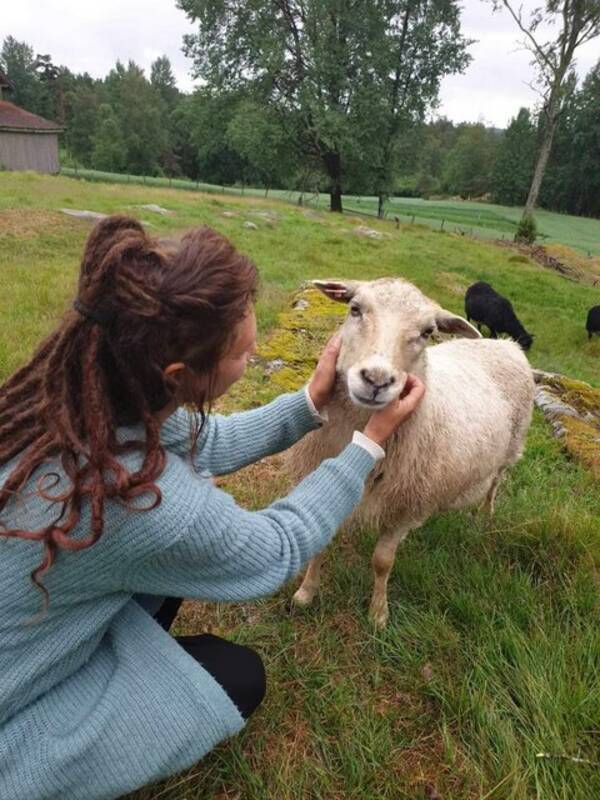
[486, 682]
[486, 220]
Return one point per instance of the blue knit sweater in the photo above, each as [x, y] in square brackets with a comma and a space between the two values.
[96, 699]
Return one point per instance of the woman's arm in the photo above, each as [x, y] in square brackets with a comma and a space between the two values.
[227, 553]
[230, 443]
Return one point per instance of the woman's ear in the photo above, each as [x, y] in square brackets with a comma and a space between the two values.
[174, 374]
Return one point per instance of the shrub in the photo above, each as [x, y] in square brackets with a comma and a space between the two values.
[526, 230]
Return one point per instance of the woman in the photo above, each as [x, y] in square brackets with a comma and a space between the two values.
[105, 504]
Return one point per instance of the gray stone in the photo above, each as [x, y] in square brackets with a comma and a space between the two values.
[370, 233]
[301, 304]
[92, 215]
[250, 225]
[164, 212]
[274, 366]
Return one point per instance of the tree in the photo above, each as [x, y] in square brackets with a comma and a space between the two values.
[141, 118]
[163, 82]
[53, 78]
[209, 115]
[470, 162]
[83, 104]
[109, 148]
[17, 60]
[334, 70]
[256, 134]
[411, 47]
[577, 22]
[515, 160]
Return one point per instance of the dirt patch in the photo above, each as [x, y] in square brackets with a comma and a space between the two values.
[28, 223]
[560, 259]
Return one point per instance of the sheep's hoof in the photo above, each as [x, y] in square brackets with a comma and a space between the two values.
[302, 597]
[378, 614]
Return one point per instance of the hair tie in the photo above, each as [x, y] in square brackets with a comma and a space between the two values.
[98, 315]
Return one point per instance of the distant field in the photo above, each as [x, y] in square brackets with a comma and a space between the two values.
[479, 219]
[492, 653]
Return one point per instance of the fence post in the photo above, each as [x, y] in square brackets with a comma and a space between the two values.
[442, 225]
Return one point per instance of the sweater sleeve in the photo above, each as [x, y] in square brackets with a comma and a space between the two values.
[227, 553]
[228, 443]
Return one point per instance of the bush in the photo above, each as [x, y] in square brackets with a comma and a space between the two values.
[527, 230]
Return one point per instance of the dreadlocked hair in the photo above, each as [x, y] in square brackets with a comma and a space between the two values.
[150, 303]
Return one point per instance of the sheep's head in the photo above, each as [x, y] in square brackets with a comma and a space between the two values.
[384, 335]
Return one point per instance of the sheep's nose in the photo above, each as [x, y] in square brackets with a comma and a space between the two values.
[377, 378]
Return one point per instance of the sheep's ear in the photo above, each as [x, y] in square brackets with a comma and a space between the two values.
[451, 323]
[342, 291]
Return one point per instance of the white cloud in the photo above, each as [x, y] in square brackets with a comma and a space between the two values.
[90, 37]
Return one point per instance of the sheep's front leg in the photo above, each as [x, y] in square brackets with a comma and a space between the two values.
[311, 582]
[383, 561]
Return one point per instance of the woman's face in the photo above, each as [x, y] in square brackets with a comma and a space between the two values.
[233, 364]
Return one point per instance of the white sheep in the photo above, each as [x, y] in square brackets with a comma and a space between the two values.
[452, 451]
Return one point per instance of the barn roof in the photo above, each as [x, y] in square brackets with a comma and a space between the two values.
[13, 118]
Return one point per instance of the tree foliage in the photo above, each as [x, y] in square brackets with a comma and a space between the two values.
[575, 22]
[347, 75]
[513, 169]
[245, 131]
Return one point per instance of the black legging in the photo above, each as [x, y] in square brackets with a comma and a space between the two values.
[238, 669]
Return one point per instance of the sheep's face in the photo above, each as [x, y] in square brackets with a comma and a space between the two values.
[384, 335]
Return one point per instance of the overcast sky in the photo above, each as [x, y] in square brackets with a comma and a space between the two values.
[91, 36]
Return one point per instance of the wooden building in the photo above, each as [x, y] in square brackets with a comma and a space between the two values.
[27, 141]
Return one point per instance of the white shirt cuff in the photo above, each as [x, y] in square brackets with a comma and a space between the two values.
[369, 445]
[321, 416]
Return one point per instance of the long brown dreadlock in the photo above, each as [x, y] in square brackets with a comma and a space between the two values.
[142, 305]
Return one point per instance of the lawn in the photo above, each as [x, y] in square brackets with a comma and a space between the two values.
[492, 653]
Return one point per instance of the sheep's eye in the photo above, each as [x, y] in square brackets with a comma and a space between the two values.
[355, 311]
[427, 332]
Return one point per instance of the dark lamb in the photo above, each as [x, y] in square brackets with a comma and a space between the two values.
[485, 306]
[593, 321]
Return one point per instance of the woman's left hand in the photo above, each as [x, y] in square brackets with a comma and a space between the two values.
[322, 382]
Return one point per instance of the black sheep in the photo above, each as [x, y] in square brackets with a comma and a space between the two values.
[485, 306]
[593, 321]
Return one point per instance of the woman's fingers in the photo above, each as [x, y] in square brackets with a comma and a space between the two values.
[323, 379]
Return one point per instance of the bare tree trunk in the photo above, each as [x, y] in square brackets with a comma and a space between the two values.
[335, 199]
[333, 165]
[381, 205]
[540, 166]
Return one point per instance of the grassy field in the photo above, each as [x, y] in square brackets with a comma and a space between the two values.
[480, 219]
[492, 653]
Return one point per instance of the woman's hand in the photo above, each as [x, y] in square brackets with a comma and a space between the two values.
[384, 423]
[322, 382]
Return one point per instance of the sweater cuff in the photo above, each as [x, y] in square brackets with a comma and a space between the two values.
[358, 459]
[369, 445]
[321, 417]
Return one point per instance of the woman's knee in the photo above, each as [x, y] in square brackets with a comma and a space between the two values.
[238, 669]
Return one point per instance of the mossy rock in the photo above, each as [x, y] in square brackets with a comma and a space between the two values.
[300, 335]
[581, 429]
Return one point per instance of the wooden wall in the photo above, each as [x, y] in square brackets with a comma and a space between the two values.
[35, 151]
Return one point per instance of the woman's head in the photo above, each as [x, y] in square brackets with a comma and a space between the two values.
[173, 312]
[154, 325]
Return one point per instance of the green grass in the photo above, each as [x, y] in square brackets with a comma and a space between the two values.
[484, 220]
[492, 653]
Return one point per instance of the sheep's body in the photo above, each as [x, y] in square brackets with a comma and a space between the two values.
[451, 453]
[484, 305]
[592, 324]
